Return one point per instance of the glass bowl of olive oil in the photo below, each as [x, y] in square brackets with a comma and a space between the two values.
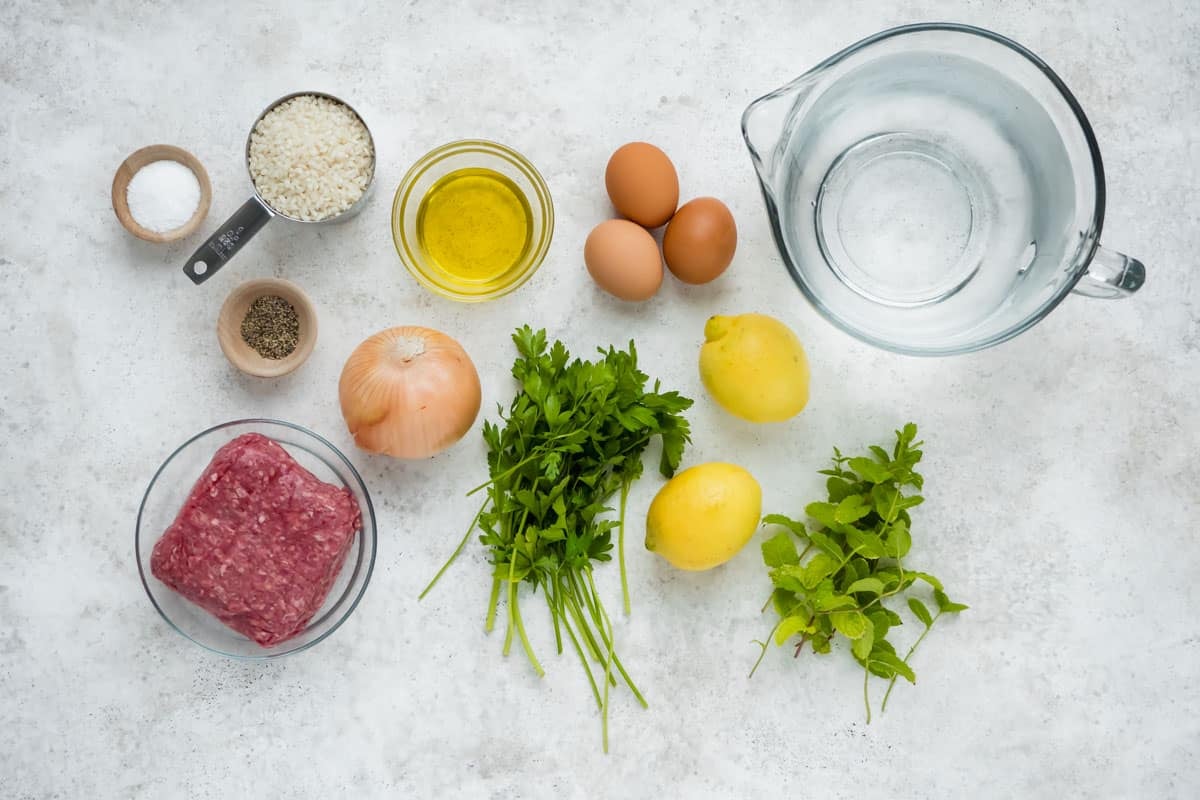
[472, 220]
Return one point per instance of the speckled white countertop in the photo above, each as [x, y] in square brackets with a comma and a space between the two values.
[1062, 476]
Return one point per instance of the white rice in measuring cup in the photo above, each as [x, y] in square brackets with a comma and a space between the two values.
[310, 158]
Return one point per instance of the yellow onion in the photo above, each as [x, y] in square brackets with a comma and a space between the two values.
[409, 392]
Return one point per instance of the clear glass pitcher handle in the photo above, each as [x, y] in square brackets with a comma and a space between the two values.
[1111, 275]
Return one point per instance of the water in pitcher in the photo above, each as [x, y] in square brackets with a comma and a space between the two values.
[927, 195]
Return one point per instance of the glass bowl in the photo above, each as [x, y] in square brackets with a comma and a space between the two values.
[425, 175]
[172, 484]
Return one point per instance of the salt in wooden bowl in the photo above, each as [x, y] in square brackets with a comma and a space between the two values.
[148, 155]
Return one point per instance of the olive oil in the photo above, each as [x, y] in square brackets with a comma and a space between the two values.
[475, 225]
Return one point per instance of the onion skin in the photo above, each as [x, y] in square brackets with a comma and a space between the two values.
[409, 392]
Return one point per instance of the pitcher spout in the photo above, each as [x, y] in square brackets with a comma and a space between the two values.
[766, 123]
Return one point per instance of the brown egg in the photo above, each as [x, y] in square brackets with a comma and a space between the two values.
[623, 260]
[642, 184]
[700, 241]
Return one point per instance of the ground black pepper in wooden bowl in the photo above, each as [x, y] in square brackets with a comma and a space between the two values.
[271, 326]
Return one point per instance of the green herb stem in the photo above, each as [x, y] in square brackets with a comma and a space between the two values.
[621, 549]
[552, 605]
[764, 645]
[490, 621]
[516, 615]
[866, 691]
[572, 603]
[907, 656]
[454, 555]
[612, 653]
[566, 622]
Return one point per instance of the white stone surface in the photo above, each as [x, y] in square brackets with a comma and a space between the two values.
[1062, 475]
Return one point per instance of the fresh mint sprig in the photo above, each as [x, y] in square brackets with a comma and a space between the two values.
[852, 561]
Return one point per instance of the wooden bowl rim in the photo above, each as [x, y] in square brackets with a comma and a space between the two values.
[242, 355]
[148, 155]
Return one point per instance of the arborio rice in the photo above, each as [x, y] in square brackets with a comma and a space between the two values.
[310, 158]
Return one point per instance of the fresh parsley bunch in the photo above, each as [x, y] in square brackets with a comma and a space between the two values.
[571, 440]
[852, 561]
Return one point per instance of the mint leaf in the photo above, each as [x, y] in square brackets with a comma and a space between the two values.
[944, 603]
[880, 623]
[869, 469]
[886, 500]
[861, 647]
[779, 550]
[898, 542]
[818, 567]
[896, 664]
[920, 611]
[792, 525]
[880, 453]
[838, 489]
[827, 544]
[836, 601]
[851, 509]
[866, 543]
[822, 513]
[789, 578]
[872, 585]
[851, 624]
[932, 581]
[783, 601]
[789, 627]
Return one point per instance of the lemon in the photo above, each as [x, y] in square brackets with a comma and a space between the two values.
[704, 515]
[754, 367]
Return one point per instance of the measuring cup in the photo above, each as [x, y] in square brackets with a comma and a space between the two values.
[257, 212]
[935, 189]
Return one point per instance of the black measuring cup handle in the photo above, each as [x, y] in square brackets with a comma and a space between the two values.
[229, 238]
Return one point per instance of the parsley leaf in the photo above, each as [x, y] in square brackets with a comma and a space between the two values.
[570, 442]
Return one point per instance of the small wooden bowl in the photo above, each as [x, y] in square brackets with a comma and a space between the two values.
[245, 357]
[148, 155]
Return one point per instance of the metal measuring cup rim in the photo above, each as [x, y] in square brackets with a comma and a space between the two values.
[256, 212]
[348, 211]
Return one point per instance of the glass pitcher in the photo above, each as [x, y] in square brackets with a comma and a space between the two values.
[935, 189]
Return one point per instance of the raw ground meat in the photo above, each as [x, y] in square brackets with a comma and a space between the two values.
[259, 542]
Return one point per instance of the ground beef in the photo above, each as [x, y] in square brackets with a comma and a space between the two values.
[259, 542]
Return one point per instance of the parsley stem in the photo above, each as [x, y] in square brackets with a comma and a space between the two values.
[592, 601]
[608, 664]
[454, 555]
[612, 652]
[552, 604]
[621, 549]
[512, 599]
[502, 475]
[490, 622]
[579, 650]
[516, 614]
[572, 604]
